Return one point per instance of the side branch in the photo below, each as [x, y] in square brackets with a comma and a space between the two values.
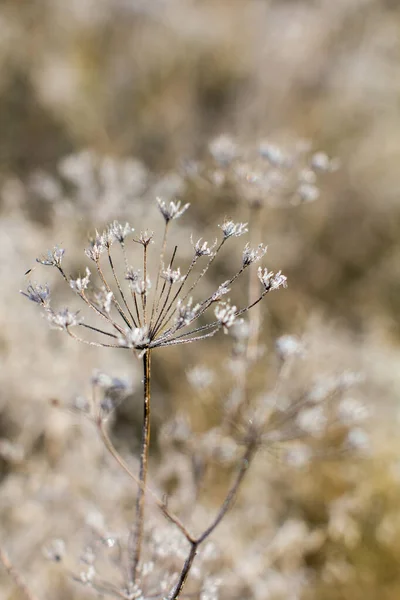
[15, 575]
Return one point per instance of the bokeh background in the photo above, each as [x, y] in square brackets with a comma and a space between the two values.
[105, 104]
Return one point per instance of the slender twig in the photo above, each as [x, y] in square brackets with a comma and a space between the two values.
[255, 317]
[184, 573]
[159, 503]
[113, 298]
[100, 313]
[110, 260]
[89, 343]
[97, 330]
[168, 314]
[16, 576]
[160, 266]
[225, 506]
[158, 313]
[231, 495]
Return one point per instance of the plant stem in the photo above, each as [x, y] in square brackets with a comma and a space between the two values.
[224, 508]
[15, 575]
[137, 533]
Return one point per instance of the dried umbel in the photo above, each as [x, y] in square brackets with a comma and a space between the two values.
[139, 311]
[130, 315]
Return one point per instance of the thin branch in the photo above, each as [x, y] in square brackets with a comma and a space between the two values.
[89, 343]
[231, 495]
[110, 260]
[100, 313]
[168, 314]
[154, 328]
[15, 575]
[159, 503]
[184, 573]
[114, 300]
[97, 330]
[163, 247]
[188, 341]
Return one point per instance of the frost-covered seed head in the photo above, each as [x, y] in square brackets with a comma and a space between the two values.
[140, 286]
[38, 293]
[132, 275]
[97, 247]
[221, 291]
[251, 255]
[171, 276]
[202, 248]
[119, 231]
[270, 280]
[229, 229]
[145, 238]
[186, 313]
[107, 382]
[171, 210]
[64, 319]
[226, 315]
[103, 300]
[223, 149]
[53, 257]
[80, 285]
[138, 338]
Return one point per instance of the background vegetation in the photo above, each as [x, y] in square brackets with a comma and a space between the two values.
[106, 104]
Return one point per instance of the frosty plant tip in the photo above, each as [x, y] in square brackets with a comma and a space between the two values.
[140, 312]
[136, 310]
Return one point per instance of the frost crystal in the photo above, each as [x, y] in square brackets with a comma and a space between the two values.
[202, 248]
[171, 276]
[64, 319]
[186, 313]
[221, 291]
[172, 210]
[138, 337]
[53, 258]
[251, 255]
[229, 229]
[38, 293]
[80, 285]
[96, 248]
[226, 315]
[270, 280]
[120, 232]
[103, 300]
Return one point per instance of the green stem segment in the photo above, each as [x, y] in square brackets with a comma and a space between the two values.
[137, 532]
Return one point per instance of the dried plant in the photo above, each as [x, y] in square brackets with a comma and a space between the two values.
[140, 313]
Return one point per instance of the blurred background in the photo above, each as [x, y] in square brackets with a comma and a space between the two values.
[281, 113]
